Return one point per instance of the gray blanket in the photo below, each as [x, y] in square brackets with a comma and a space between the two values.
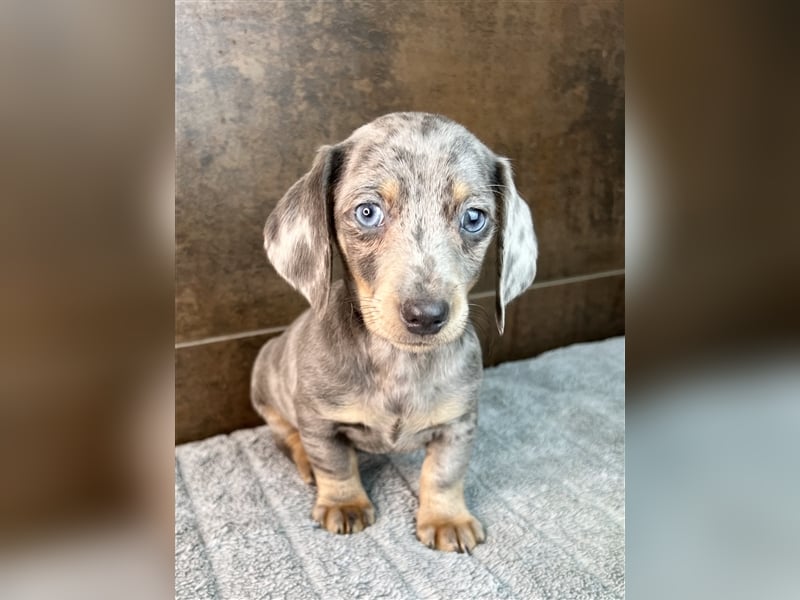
[546, 479]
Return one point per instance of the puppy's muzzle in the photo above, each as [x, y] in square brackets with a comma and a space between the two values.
[424, 317]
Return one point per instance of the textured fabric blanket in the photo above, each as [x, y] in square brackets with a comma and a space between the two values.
[546, 479]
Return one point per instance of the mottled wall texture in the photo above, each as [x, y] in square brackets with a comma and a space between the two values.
[260, 85]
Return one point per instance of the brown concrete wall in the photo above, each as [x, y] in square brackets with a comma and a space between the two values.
[260, 85]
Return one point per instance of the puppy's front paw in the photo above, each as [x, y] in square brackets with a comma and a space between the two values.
[347, 517]
[450, 534]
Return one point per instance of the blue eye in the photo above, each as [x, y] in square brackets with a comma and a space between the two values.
[369, 215]
[473, 220]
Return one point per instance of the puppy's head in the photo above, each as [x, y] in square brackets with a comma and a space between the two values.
[412, 201]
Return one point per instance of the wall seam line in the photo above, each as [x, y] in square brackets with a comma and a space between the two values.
[476, 296]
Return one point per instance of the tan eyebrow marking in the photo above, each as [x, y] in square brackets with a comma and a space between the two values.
[390, 191]
[461, 192]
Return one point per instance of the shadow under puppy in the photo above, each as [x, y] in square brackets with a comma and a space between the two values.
[387, 360]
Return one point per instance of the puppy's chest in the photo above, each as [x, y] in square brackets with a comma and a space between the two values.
[398, 411]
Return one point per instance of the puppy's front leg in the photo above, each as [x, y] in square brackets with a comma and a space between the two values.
[342, 505]
[443, 521]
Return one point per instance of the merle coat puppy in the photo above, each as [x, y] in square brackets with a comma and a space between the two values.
[386, 360]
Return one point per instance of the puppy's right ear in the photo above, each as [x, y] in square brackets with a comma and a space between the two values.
[298, 233]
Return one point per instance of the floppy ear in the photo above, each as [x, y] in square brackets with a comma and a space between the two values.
[298, 233]
[516, 242]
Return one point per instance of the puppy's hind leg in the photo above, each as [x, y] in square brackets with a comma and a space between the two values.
[265, 385]
[266, 388]
[287, 438]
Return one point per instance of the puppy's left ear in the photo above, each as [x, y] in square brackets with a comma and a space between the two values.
[517, 249]
[299, 232]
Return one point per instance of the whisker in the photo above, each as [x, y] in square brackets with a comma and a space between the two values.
[484, 324]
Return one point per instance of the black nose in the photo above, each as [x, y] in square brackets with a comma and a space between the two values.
[424, 317]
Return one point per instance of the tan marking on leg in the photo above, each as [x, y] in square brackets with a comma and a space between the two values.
[342, 504]
[288, 440]
[298, 455]
[443, 521]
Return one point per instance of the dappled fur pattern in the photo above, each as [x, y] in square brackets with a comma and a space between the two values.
[349, 374]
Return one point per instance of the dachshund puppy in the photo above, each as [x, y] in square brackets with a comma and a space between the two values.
[386, 360]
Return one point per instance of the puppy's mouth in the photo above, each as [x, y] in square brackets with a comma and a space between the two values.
[420, 347]
[415, 346]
